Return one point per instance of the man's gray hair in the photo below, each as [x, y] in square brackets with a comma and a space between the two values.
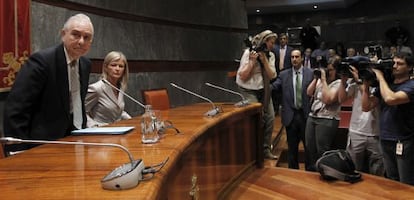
[80, 18]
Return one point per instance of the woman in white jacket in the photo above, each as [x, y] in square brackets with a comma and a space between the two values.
[104, 104]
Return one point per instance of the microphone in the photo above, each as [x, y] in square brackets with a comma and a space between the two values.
[122, 92]
[211, 113]
[241, 103]
[123, 177]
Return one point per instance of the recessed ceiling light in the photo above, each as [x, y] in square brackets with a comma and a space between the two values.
[257, 10]
[315, 7]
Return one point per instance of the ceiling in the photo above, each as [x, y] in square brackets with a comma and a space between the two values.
[284, 6]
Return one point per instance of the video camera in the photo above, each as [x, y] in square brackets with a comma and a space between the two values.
[252, 47]
[249, 43]
[317, 72]
[364, 65]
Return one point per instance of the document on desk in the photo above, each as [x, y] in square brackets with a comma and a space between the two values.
[103, 130]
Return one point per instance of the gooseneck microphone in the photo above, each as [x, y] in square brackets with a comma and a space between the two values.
[122, 92]
[241, 103]
[211, 113]
[125, 176]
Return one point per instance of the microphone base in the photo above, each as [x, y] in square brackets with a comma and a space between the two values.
[242, 103]
[213, 112]
[124, 177]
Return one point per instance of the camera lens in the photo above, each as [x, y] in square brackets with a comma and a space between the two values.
[317, 73]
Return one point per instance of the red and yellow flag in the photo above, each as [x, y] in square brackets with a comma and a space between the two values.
[14, 39]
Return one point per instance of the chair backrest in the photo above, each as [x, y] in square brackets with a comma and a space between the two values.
[347, 105]
[345, 119]
[158, 98]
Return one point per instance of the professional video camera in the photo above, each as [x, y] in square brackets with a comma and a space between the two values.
[364, 65]
[359, 62]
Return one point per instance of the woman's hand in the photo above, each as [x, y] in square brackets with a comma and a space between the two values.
[262, 56]
[253, 55]
[323, 74]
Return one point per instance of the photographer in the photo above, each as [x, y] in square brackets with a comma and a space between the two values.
[323, 120]
[257, 68]
[396, 119]
[363, 141]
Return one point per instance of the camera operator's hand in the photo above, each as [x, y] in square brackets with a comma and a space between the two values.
[262, 56]
[354, 72]
[253, 55]
[323, 74]
[378, 73]
[344, 77]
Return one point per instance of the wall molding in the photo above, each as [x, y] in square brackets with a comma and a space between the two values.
[137, 66]
[137, 18]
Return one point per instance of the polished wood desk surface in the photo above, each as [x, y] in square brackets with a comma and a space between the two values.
[284, 183]
[74, 172]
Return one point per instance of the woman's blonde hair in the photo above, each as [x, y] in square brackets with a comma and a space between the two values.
[265, 35]
[259, 39]
[115, 56]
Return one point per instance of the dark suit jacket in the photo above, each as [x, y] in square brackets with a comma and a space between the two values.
[38, 104]
[287, 63]
[284, 84]
[312, 62]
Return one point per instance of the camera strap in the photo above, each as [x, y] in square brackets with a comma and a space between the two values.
[266, 87]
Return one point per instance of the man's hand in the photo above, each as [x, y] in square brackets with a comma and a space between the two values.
[378, 73]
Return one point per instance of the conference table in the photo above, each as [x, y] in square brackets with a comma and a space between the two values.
[207, 159]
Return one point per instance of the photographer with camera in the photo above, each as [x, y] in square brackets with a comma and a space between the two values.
[323, 119]
[257, 68]
[396, 119]
[363, 141]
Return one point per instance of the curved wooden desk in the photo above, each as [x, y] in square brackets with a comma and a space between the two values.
[218, 151]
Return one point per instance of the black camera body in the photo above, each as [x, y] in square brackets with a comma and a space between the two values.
[248, 42]
[261, 48]
[317, 72]
[384, 66]
[364, 66]
[344, 69]
[358, 62]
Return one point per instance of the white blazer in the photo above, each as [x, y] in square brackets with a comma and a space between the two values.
[102, 106]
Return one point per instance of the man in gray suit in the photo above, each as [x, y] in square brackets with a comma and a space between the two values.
[282, 52]
[292, 83]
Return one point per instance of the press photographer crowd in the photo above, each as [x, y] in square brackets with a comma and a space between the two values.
[310, 88]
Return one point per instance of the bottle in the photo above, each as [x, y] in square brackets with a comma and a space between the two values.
[149, 129]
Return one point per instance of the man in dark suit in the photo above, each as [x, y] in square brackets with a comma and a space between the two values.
[47, 99]
[309, 35]
[308, 60]
[282, 52]
[292, 83]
